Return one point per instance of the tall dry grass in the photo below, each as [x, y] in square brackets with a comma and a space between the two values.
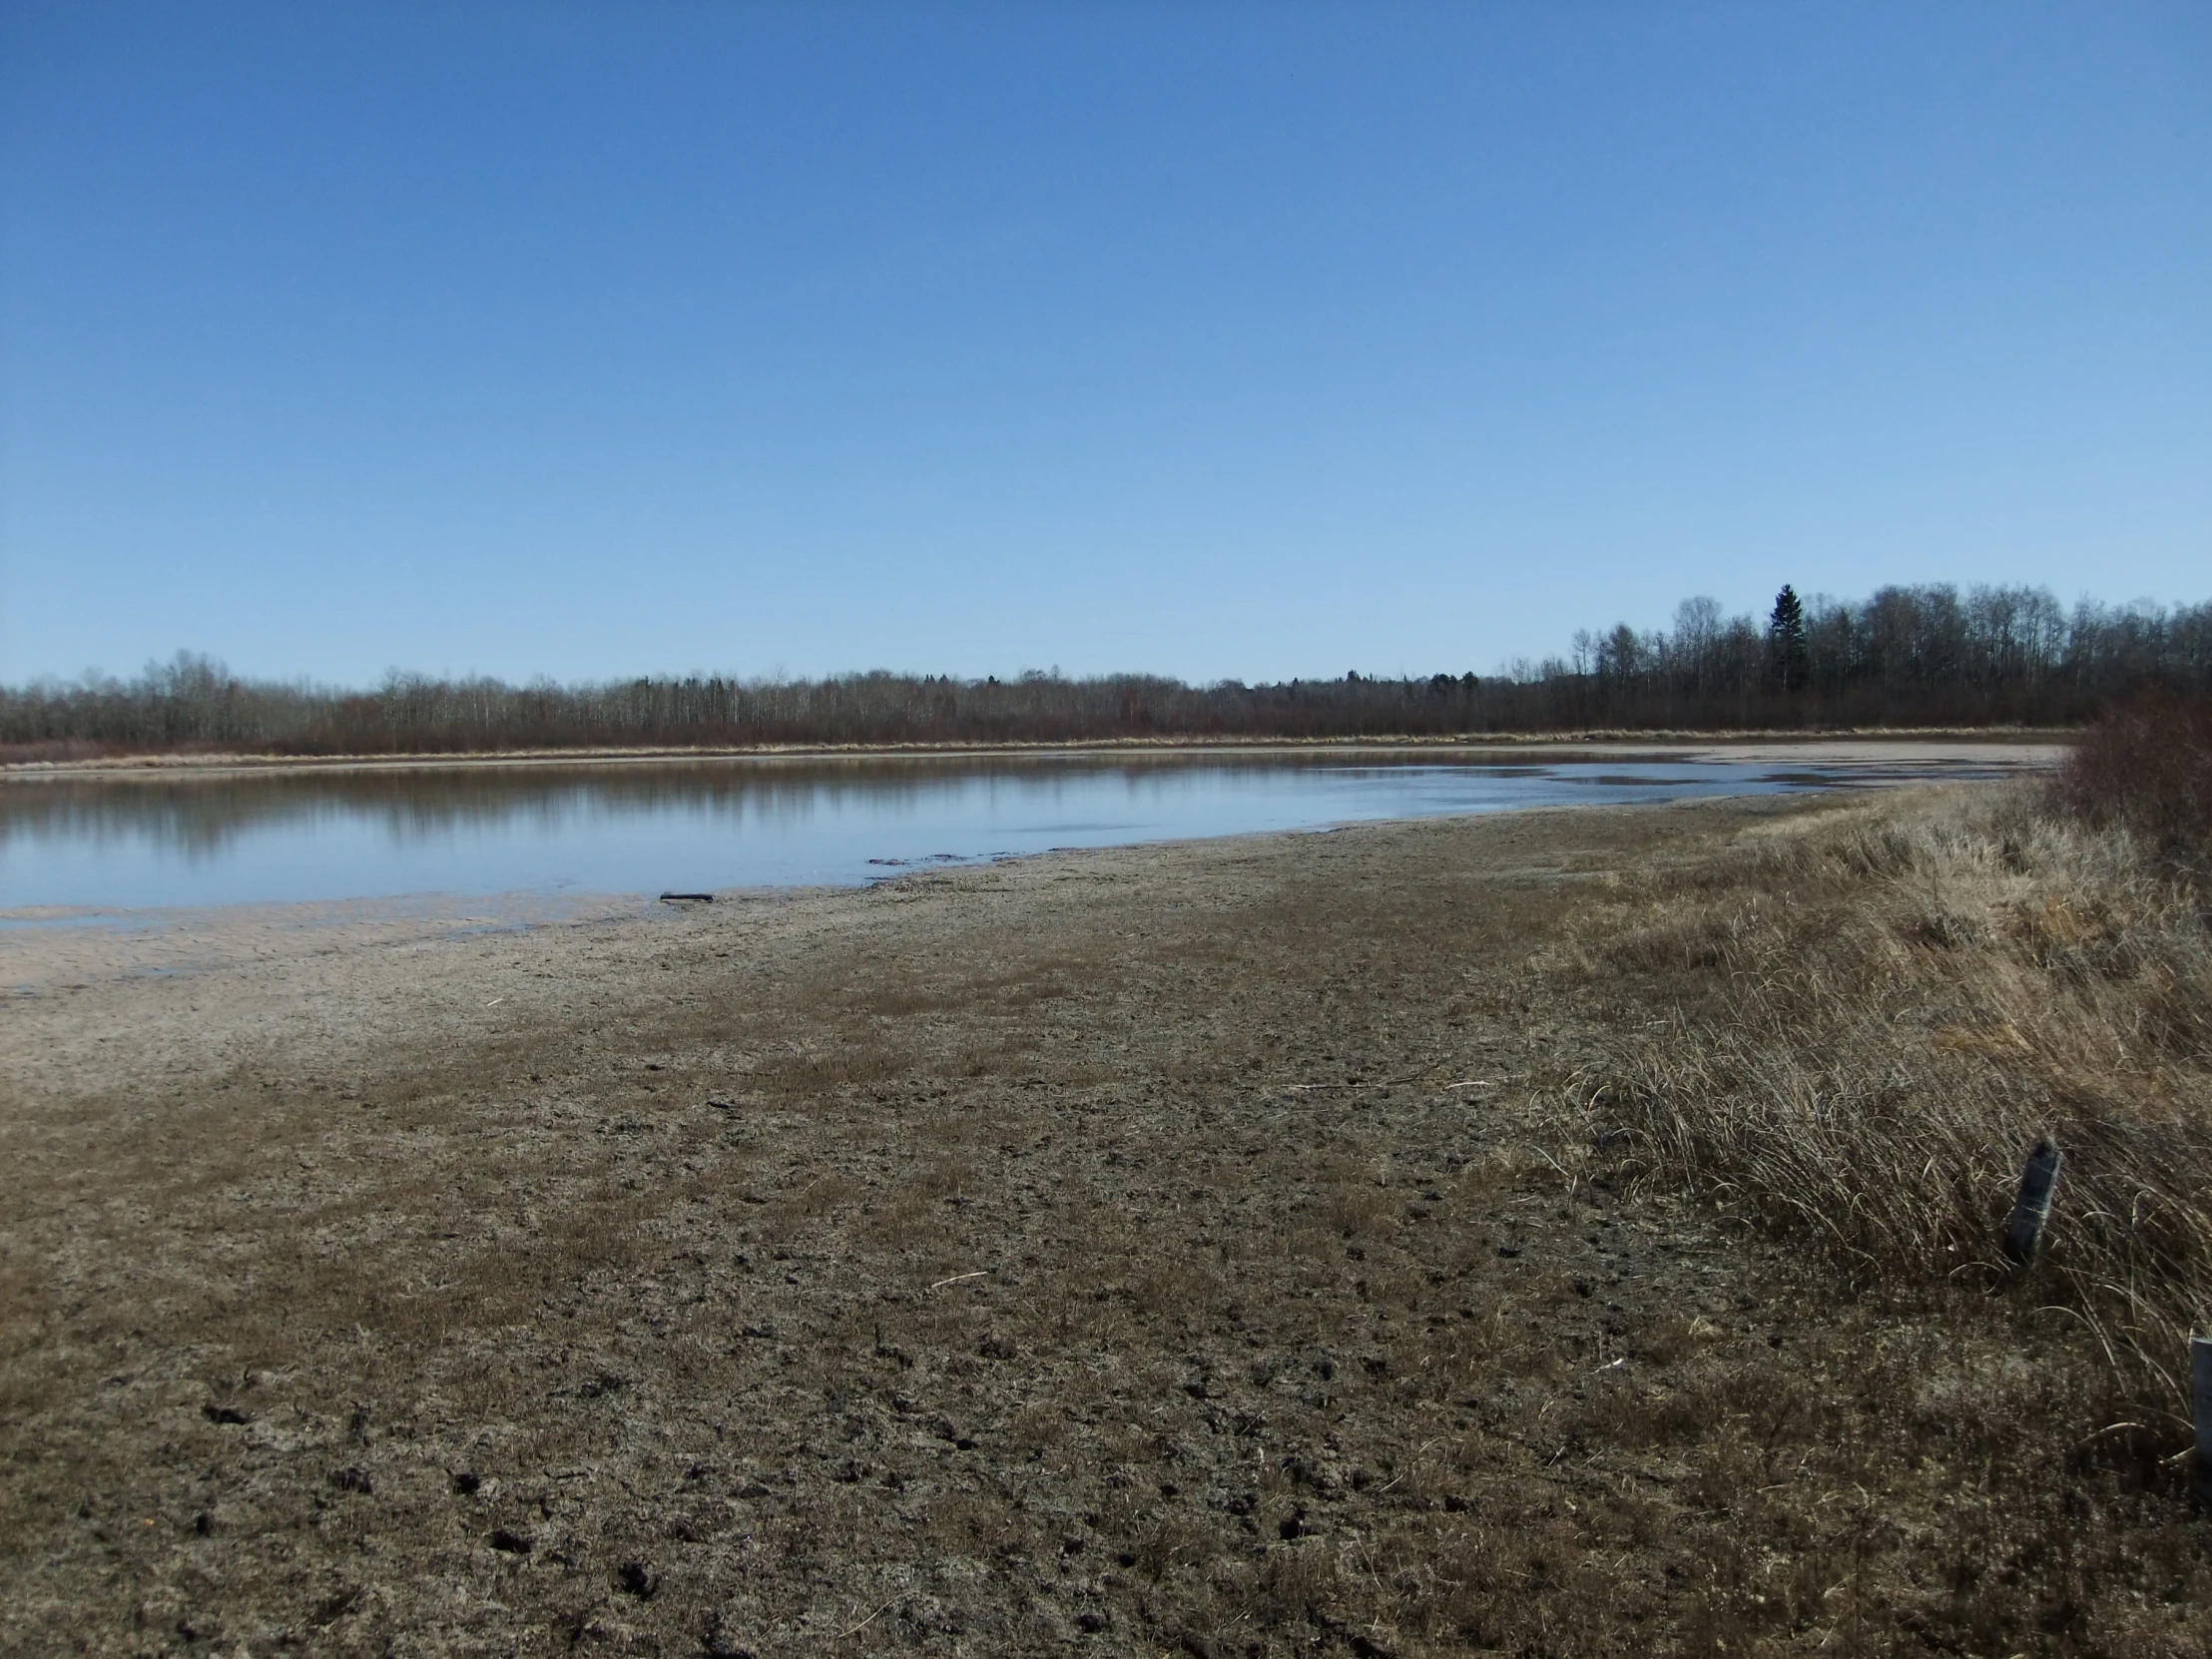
[1854, 1030]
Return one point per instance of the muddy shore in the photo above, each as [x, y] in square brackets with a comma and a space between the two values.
[1141, 1251]
[1899, 747]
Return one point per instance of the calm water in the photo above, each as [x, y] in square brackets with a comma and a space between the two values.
[709, 824]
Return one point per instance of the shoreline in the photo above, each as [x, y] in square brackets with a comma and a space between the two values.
[1133, 1241]
[1596, 744]
[52, 948]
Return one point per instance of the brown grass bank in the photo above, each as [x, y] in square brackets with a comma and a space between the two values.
[1855, 1025]
[1249, 1248]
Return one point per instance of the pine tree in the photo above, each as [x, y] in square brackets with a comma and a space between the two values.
[1786, 646]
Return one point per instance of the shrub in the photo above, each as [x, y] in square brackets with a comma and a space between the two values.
[2146, 767]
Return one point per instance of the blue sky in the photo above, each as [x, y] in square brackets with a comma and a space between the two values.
[1229, 341]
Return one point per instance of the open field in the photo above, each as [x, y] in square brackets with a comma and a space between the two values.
[1254, 1247]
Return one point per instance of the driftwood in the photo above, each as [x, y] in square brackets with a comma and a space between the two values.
[686, 898]
[2023, 1234]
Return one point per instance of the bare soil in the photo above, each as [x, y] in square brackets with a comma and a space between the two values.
[1163, 1249]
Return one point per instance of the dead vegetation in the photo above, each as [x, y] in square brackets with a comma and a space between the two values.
[1163, 1250]
[1904, 657]
[2147, 768]
[1853, 1027]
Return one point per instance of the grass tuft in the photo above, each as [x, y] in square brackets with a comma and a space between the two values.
[1854, 1027]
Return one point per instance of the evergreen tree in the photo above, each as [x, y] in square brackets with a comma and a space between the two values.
[1786, 645]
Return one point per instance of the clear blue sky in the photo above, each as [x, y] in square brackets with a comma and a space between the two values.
[1247, 340]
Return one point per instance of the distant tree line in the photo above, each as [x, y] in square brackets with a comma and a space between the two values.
[1906, 657]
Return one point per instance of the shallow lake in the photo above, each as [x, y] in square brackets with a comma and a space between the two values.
[700, 825]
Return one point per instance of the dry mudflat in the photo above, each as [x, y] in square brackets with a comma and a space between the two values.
[1163, 1249]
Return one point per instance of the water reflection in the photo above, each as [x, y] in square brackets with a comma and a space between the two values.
[311, 833]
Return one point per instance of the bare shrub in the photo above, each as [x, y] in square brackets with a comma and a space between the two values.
[1904, 656]
[2147, 767]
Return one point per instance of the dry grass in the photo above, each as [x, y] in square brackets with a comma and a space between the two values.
[1854, 1027]
[1090, 1255]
